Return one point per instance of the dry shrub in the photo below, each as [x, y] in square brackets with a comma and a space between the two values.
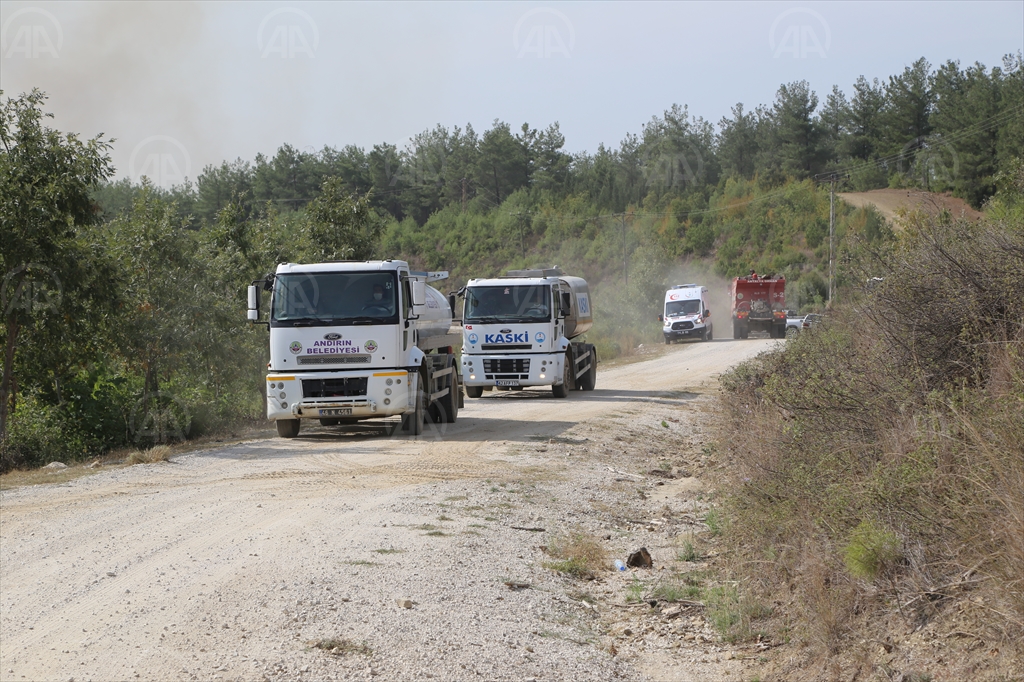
[578, 554]
[889, 443]
[157, 453]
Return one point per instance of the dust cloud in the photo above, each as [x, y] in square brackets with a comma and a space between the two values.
[719, 300]
[133, 71]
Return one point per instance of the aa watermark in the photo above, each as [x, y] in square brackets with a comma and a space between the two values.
[162, 159]
[287, 33]
[673, 170]
[31, 33]
[932, 160]
[427, 166]
[158, 418]
[31, 288]
[800, 33]
[542, 33]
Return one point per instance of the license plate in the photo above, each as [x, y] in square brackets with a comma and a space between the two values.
[337, 412]
[506, 382]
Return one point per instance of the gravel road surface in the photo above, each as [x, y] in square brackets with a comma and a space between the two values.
[355, 553]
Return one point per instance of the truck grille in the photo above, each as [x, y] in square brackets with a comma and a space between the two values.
[676, 326]
[507, 366]
[334, 388]
[333, 359]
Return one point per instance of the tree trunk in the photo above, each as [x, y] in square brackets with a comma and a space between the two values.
[5, 384]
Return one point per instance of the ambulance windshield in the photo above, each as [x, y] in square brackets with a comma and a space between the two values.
[689, 306]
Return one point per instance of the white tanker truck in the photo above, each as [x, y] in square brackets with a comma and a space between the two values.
[358, 340]
[518, 331]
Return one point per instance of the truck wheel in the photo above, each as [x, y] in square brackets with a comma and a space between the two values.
[474, 391]
[562, 391]
[704, 334]
[668, 341]
[447, 408]
[413, 423]
[737, 331]
[711, 333]
[288, 428]
[744, 332]
[589, 379]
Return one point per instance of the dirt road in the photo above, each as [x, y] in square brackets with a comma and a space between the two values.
[277, 559]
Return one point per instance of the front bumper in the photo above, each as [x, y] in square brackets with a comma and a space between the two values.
[695, 331]
[512, 370]
[387, 393]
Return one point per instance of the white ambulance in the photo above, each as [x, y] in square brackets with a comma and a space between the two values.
[686, 314]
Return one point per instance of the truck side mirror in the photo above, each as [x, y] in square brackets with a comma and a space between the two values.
[254, 303]
[566, 301]
[707, 313]
[419, 292]
[660, 318]
[451, 303]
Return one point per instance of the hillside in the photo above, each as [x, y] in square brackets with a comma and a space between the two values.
[889, 201]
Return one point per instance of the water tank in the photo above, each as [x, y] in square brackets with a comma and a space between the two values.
[435, 316]
[581, 314]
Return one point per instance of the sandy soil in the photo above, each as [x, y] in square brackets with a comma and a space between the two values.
[244, 562]
[887, 201]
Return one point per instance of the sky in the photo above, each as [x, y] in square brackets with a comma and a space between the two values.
[181, 85]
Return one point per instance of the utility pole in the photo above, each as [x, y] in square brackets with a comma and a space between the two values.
[625, 263]
[519, 224]
[832, 179]
[831, 237]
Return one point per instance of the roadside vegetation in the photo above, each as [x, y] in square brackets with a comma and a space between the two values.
[877, 461]
[123, 324]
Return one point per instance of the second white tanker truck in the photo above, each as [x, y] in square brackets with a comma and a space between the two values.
[519, 331]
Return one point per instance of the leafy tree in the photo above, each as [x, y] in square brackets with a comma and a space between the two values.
[46, 179]
[909, 99]
[797, 131]
[341, 227]
[503, 164]
[737, 142]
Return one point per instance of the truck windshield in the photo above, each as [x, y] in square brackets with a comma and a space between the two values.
[687, 307]
[508, 304]
[334, 298]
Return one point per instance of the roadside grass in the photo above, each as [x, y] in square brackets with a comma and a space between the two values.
[157, 453]
[339, 646]
[880, 455]
[389, 550]
[577, 554]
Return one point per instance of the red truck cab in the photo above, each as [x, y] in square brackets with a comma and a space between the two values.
[758, 304]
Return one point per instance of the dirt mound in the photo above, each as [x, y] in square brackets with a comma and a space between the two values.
[887, 201]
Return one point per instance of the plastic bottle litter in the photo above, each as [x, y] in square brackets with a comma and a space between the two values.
[619, 566]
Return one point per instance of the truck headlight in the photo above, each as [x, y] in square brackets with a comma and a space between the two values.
[472, 376]
[542, 375]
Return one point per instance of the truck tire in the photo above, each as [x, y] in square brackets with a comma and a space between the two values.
[413, 423]
[737, 330]
[562, 390]
[711, 333]
[474, 391]
[589, 380]
[288, 428]
[668, 341]
[446, 410]
[704, 334]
